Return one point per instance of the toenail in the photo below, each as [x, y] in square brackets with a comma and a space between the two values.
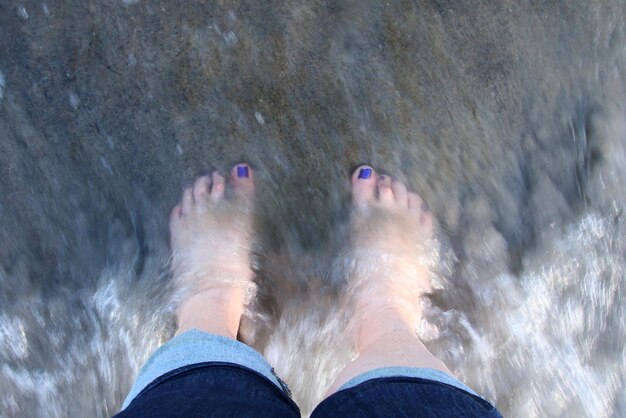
[381, 177]
[242, 171]
[365, 173]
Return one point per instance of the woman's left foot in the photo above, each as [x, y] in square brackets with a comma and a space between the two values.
[390, 233]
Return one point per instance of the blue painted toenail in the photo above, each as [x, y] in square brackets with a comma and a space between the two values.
[242, 171]
[365, 173]
[381, 177]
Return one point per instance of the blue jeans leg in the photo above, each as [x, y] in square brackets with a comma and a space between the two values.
[203, 375]
[404, 392]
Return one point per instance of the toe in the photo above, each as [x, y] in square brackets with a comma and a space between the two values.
[187, 201]
[243, 179]
[217, 190]
[385, 194]
[364, 185]
[415, 203]
[176, 213]
[427, 222]
[201, 190]
[400, 193]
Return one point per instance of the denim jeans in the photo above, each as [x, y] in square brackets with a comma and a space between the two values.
[203, 375]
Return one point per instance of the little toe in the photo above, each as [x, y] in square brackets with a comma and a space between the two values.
[187, 204]
[400, 193]
[364, 185]
[243, 179]
[217, 190]
[385, 193]
[176, 214]
[427, 222]
[201, 190]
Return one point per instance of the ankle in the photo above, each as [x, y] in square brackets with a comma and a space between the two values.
[383, 324]
[216, 311]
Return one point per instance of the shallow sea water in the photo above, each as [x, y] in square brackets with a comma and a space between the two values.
[508, 118]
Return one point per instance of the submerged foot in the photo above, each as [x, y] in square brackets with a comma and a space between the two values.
[210, 238]
[391, 228]
[388, 274]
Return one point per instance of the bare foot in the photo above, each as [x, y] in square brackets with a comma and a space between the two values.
[391, 228]
[390, 231]
[210, 239]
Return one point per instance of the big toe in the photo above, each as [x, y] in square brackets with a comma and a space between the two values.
[243, 180]
[364, 185]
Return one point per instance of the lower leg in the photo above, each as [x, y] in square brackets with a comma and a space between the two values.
[216, 311]
[388, 341]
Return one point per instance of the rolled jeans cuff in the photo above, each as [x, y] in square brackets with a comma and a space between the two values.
[421, 373]
[194, 347]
